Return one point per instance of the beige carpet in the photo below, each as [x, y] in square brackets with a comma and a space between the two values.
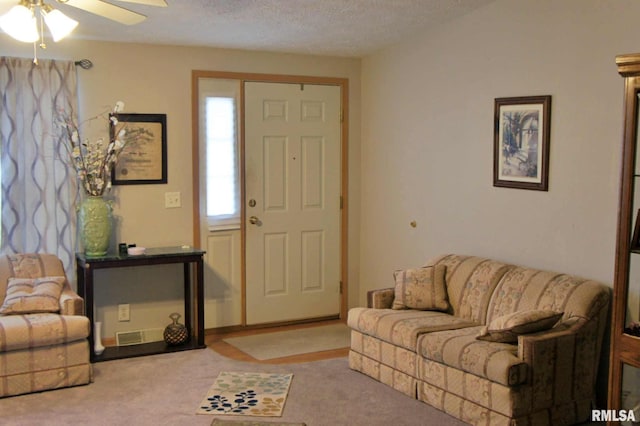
[164, 390]
[293, 342]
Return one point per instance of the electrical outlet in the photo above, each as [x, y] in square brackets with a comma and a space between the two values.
[172, 200]
[123, 312]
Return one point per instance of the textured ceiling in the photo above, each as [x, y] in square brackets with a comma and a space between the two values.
[352, 28]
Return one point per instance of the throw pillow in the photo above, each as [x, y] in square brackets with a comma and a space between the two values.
[32, 295]
[505, 329]
[421, 288]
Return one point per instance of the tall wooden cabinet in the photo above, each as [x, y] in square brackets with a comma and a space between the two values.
[624, 373]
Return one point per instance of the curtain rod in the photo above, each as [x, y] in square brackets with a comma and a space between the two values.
[84, 64]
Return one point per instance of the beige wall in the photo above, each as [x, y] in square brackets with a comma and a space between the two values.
[427, 139]
[157, 79]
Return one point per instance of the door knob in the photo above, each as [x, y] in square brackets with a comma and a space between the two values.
[254, 220]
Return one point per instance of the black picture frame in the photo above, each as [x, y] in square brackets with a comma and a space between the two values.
[143, 160]
[522, 128]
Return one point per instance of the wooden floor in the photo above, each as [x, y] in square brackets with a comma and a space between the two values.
[214, 341]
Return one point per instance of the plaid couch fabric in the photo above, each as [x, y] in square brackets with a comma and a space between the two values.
[41, 351]
[545, 378]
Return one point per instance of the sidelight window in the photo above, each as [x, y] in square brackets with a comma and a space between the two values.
[222, 162]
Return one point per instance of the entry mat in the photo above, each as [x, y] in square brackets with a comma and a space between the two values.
[293, 342]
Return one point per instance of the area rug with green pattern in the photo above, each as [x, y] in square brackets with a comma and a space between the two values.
[247, 394]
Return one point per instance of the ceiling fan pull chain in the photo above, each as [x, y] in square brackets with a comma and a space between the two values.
[43, 45]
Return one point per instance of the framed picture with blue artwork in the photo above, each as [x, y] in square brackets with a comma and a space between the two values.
[521, 142]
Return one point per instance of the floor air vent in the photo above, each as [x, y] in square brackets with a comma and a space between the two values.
[136, 337]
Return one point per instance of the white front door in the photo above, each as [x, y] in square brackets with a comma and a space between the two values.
[292, 196]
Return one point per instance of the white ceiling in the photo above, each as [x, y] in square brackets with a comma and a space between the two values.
[352, 28]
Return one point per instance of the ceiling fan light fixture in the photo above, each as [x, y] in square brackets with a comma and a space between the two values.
[58, 23]
[20, 23]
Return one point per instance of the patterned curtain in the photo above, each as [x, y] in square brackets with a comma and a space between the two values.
[39, 186]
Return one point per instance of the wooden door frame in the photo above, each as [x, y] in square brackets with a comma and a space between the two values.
[242, 78]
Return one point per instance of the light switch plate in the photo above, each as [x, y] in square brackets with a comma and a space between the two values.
[172, 200]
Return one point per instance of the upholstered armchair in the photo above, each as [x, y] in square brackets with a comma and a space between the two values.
[43, 330]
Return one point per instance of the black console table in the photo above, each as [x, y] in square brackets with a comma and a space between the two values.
[193, 296]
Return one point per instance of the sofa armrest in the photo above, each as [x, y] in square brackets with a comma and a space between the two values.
[380, 298]
[562, 362]
[71, 303]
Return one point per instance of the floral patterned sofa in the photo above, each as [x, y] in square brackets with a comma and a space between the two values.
[43, 333]
[487, 342]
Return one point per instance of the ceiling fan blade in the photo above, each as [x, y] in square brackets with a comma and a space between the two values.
[158, 3]
[107, 10]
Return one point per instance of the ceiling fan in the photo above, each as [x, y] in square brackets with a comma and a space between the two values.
[21, 20]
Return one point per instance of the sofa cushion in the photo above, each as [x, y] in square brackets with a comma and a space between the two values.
[32, 295]
[402, 328]
[506, 328]
[421, 288]
[34, 330]
[470, 284]
[523, 289]
[460, 349]
[28, 265]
